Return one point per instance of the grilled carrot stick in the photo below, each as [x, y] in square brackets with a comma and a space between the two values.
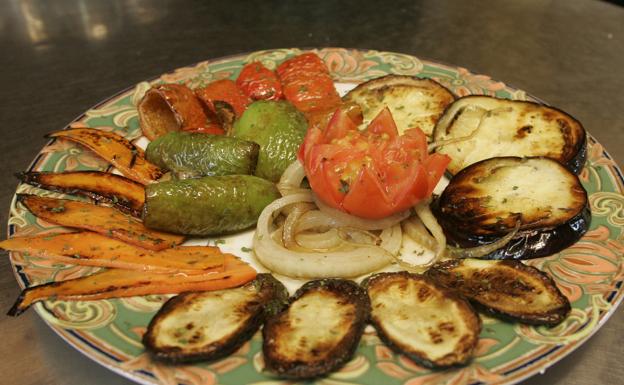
[92, 249]
[115, 283]
[125, 194]
[107, 221]
[115, 149]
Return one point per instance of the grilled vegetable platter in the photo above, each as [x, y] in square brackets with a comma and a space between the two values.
[334, 216]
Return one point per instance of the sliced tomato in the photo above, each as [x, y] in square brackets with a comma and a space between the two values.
[259, 83]
[370, 173]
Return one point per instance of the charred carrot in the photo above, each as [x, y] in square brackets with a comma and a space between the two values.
[224, 90]
[117, 150]
[125, 194]
[107, 221]
[306, 83]
[92, 249]
[116, 283]
[259, 83]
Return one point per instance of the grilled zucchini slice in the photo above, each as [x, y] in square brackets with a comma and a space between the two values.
[426, 322]
[507, 289]
[413, 102]
[486, 127]
[209, 325]
[486, 200]
[318, 332]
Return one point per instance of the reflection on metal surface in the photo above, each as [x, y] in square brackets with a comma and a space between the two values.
[98, 31]
[44, 21]
[33, 21]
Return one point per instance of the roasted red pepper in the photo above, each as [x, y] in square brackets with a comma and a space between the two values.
[259, 83]
[306, 83]
[223, 90]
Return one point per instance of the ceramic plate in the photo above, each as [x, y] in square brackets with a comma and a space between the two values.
[109, 331]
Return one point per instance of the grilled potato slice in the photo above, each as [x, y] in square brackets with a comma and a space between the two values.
[485, 127]
[318, 332]
[508, 289]
[209, 325]
[426, 322]
[486, 200]
[413, 102]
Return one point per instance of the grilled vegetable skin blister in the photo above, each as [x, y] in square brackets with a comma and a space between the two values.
[481, 127]
[507, 289]
[423, 320]
[413, 102]
[209, 325]
[278, 128]
[318, 332]
[123, 193]
[488, 199]
[207, 206]
[191, 155]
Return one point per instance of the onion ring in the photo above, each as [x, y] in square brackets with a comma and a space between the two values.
[354, 262]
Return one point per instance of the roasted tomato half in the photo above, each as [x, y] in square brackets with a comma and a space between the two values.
[372, 172]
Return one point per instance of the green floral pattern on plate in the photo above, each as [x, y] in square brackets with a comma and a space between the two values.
[590, 273]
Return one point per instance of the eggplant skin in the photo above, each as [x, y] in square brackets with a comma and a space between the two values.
[484, 202]
[544, 242]
[305, 341]
[259, 298]
[436, 314]
[509, 289]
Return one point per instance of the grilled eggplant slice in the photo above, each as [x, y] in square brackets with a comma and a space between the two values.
[486, 200]
[484, 127]
[210, 325]
[423, 320]
[123, 193]
[318, 332]
[508, 289]
[413, 102]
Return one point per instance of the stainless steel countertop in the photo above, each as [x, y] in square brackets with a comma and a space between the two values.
[59, 58]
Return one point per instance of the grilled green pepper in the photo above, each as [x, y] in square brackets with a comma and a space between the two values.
[279, 128]
[207, 206]
[189, 155]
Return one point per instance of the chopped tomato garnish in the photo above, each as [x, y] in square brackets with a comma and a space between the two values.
[259, 83]
[370, 173]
